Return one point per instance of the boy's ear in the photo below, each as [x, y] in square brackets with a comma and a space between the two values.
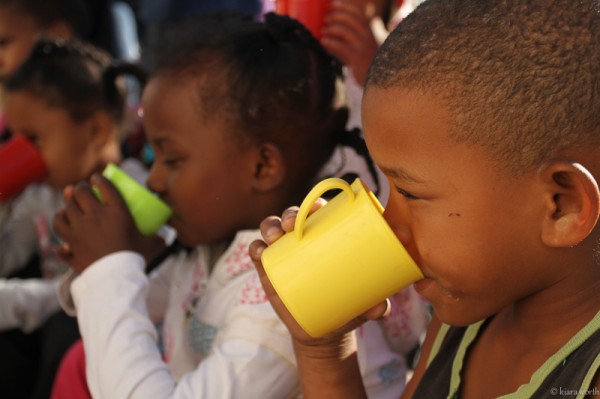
[269, 168]
[573, 203]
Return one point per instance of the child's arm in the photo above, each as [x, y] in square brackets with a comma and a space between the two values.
[353, 34]
[328, 366]
[26, 304]
[18, 239]
[248, 359]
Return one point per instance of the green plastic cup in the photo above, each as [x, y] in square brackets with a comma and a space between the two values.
[149, 212]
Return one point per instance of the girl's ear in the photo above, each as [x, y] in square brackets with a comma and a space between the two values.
[573, 203]
[269, 168]
[101, 130]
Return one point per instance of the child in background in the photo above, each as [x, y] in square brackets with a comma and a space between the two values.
[484, 116]
[22, 22]
[354, 30]
[64, 98]
[241, 119]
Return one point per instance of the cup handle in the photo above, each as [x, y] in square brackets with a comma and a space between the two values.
[314, 194]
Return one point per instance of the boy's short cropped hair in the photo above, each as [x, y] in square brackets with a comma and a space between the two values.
[521, 77]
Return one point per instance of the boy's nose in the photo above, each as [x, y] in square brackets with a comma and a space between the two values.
[397, 219]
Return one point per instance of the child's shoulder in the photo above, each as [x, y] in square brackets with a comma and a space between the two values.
[573, 368]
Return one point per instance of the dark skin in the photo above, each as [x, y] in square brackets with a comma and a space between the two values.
[353, 32]
[469, 268]
[188, 175]
[314, 355]
[84, 216]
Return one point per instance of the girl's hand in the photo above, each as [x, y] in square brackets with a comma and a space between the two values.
[352, 34]
[91, 229]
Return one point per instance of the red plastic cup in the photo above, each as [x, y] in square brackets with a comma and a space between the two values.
[310, 12]
[20, 165]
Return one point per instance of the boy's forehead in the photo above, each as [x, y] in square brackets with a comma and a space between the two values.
[405, 124]
[403, 110]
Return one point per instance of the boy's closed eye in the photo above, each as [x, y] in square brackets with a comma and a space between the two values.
[406, 194]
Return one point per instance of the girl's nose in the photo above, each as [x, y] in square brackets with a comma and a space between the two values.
[156, 180]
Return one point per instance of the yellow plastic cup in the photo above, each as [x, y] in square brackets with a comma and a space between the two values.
[338, 262]
[149, 212]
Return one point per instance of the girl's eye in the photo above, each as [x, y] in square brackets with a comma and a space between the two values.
[406, 194]
[172, 161]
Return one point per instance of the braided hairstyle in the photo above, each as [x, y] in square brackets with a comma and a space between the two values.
[75, 76]
[270, 81]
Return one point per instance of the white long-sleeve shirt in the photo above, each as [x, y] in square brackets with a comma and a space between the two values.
[220, 336]
[26, 304]
[25, 230]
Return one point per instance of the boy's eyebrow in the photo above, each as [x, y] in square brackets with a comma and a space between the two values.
[399, 173]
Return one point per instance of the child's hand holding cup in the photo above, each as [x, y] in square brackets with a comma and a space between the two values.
[149, 212]
[105, 217]
[338, 262]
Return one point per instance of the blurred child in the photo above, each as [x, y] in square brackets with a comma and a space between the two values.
[354, 30]
[65, 98]
[241, 119]
[484, 116]
[22, 22]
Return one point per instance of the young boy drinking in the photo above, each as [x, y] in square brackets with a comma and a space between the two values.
[484, 117]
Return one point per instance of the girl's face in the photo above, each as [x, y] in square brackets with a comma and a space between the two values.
[473, 230]
[69, 149]
[199, 170]
[17, 37]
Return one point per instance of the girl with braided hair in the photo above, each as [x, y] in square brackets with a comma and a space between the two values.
[66, 99]
[241, 116]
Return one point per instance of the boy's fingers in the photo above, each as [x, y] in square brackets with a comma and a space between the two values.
[255, 250]
[271, 229]
[319, 203]
[379, 311]
[288, 218]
